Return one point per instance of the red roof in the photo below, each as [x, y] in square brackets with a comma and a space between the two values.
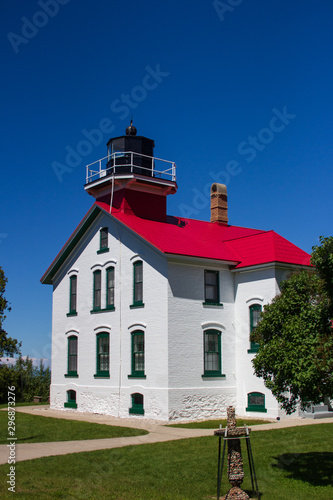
[242, 246]
[239, 246]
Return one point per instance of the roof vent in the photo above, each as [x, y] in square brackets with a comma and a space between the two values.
[218, 203]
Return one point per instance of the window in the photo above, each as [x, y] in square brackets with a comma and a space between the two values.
[256, 402]
[212, 293]
[97, 290]
[72, 357]
[137, 404]
[255, 311]
[103, 240]
[137, 285]
[212, 354]
[72, 296]
[110, 288]
[103, 355]
[71, 399]
[138, 355]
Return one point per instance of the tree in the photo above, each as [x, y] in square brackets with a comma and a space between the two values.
[322, 258]
[295, 335]
[28, 380]
[8, 345]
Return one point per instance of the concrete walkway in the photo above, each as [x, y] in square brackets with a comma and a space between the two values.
[157, 434]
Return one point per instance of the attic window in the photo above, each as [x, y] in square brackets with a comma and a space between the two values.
[103, 245]
[212, 288]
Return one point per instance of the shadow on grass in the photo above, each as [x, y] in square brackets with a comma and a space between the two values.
[315, 468]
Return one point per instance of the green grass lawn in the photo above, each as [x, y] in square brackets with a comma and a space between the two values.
[215, 424]
[37, 429]
[293, 463]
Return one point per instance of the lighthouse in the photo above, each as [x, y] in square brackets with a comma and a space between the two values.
[130, 178]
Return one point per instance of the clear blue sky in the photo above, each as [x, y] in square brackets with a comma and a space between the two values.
[222, 75]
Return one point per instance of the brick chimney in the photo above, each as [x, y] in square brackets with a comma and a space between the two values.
[218, 203]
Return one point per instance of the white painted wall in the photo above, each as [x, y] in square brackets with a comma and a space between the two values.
[191, 396]
[251, 287]
[173, 320]
[112, 396]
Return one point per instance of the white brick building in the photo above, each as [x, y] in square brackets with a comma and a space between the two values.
[152, 314]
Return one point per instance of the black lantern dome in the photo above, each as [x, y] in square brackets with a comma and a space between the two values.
[131, 153]
[131, 130]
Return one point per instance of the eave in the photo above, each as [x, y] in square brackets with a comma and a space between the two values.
[47, 278]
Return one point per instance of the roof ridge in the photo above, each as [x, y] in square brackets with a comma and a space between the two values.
[259, 231]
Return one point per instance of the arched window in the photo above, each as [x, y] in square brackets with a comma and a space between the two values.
[212, 353]
[72, 352]
[97, 290]
[103, 355]
[71, 399]
[137, 404]
[254, 311]
[72, 296]
[256, 402]
[138, 355]
[110, 288]
[137, 284]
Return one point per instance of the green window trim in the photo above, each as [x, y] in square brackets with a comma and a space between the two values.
[212, 304]
[107, 309]
[254, 348]
[103, 250]
[137, 355]
[71, 314]
[72, 355]
[206, 375]
[72, 296]
[255, 311]
[137, 404]
[137, 284]
[212, 353]
[256, 402]
[102, 355]
[103, 240]
[97, 290]
[71, 399]
[212, 288]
